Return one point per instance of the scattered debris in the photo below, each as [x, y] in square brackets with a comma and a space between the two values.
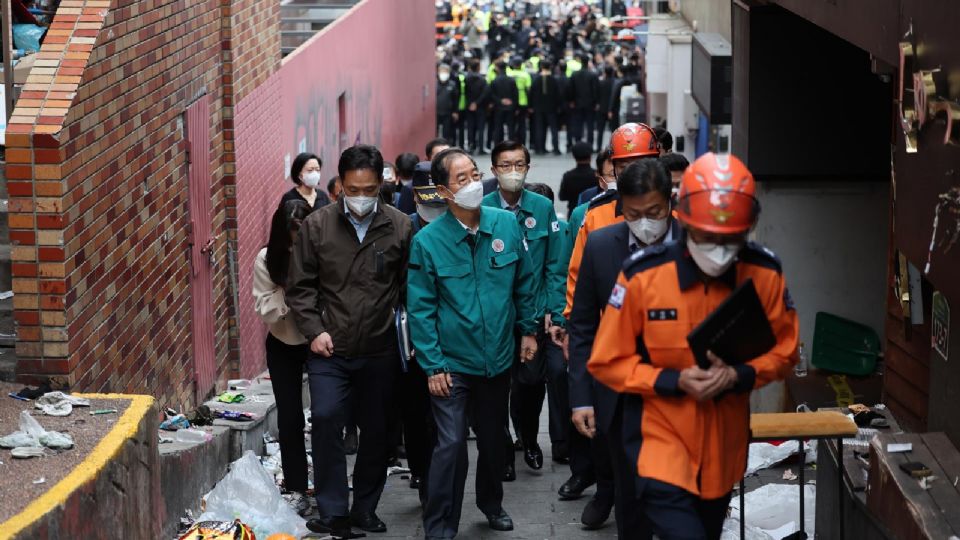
[235, 416]
[239, 384]
[764, 455]
[231, 397]
[17, 397]
[219, 529]
[202, 416]
[189, 435]
[178, 421]
[772, 510]
[6, 294]
[27, 452]
[926, 481]
[789, 475]
[103, 411]
[59, 404]
[895, 448]
[40, 480]
[164, 440]
[249, 490]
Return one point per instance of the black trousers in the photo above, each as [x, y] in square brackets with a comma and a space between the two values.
[482, 403]
[542, 121]
[285, 364]
[520, 125]
[582, 125]
[460, 129]
[610, 453]
[526, 400]
[503, 119]
[475, 123]
[602, 123]
[445, 127]
[676, 514]
[333, 381]
[419, 433]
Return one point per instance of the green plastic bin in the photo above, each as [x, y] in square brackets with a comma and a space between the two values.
[844, 346]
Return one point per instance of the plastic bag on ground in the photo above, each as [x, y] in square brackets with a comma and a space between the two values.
[248, 493]
[30, 426]
[26, 452]
[731, 531]
[56, 440]
[27, 36]
[775, 509]
[18, 439]
[765, 455]
[55, 397]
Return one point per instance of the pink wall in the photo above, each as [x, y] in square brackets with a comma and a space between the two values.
[380, 58]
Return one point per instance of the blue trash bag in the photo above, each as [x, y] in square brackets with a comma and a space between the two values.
[27, 36]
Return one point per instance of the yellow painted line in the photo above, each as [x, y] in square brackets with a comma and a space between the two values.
[87, 470]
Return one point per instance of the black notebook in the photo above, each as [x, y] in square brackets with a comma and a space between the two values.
[738, 331]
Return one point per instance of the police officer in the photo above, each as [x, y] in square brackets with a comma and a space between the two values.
[477, 94]
[430, 205]
[644, 190]
[523, 80]
[584, 102]
[691, 434]
[504, 95]
[448, 98]
[537, 219]
[546, 100]
[470, 287]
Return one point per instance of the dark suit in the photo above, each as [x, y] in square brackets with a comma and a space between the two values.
[603, 257]
[588, 194]
[605, 100]
[583, 96]
[504, 87]
[546, 99]
[478, 93]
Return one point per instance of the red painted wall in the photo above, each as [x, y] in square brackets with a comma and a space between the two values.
[379, 57]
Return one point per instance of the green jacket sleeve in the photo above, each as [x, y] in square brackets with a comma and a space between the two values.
[556, 270]
[422, 308]
[525, 292]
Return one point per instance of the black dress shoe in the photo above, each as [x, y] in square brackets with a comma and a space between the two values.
[415, 482]
[573, 488]
[500, 522]
[595, 514]
[557, 153]
[560, 453]
[350, 443]
[368, 521]
[533, 456]
[509, 473]
[337, 526]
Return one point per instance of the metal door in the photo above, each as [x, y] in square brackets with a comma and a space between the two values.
[201, 245]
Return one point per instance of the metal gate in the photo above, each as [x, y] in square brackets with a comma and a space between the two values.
[201, 245]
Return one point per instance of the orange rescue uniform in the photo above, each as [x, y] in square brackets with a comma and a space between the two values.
[603, 210]
[641, 347]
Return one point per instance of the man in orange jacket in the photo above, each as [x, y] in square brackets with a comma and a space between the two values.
[692, 424]
[630, 142]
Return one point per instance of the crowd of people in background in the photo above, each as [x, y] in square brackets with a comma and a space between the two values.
[526, 70]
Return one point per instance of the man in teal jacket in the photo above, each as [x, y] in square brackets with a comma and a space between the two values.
[545, 243]
[470, 285]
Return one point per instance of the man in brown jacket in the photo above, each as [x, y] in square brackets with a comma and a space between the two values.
[348, 272]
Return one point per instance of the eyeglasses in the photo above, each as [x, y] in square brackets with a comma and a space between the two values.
[507, 167]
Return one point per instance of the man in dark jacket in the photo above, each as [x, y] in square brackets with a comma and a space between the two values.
[578, 179]
[347, 274]
[584, 102]
[545, 100]
[477, 98]
[605, 87]
[448, 97]
[504, 94]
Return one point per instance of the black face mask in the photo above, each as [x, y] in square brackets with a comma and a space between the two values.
[387, 190]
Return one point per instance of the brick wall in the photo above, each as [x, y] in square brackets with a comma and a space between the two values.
[260, 184]
[113, 311]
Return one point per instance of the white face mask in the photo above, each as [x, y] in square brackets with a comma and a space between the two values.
[444, 76]
[713, 259]
[360, 204]
[430, 213]
[311, 179]
[612, 185]
[647, 230]
[511, 181]
[470, 196]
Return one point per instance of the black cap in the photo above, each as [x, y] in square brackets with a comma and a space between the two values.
[424, 192]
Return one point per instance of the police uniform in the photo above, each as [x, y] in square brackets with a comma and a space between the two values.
[689, 454]
[467, 294]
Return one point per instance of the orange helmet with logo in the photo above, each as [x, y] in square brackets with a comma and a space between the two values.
[634, 140]
[717, 195]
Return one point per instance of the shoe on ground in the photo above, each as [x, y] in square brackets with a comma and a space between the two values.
[595, 514]
[368, 521]
[500, 521]
[509, 473]
[350, 443]
[394, 462]
[533, 457]
[299, 502]
[574, 487]
[338, 526]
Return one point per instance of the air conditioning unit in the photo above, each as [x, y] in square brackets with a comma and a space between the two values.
[712, 76]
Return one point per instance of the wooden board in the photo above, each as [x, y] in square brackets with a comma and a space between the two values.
[816, 425]
[897, 499]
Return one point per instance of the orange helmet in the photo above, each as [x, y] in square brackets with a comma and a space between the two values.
[634, 140]
[717, 195]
